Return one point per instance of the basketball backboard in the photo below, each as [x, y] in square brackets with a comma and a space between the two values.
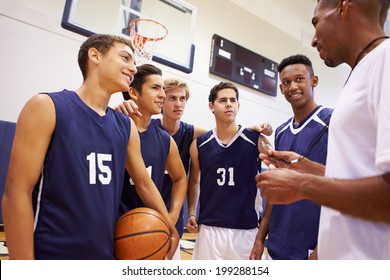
[176, 50]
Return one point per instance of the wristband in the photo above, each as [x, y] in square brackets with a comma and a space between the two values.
[189, 217]
[297, 159]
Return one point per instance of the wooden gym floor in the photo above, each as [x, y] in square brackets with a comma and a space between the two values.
[3, 249]
[186, 246]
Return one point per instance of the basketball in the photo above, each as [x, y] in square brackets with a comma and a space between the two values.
[142, 234]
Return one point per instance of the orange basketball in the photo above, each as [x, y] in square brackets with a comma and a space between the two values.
[142, 234]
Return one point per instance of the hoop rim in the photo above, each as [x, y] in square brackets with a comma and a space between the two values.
[145, 38]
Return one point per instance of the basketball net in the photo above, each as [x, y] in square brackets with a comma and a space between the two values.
[144, 34]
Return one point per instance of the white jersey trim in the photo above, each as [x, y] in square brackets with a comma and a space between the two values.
[238, 134]
[314, 117]
[38, 200]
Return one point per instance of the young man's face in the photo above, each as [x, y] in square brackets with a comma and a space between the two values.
[117, 67]
[150, 100]
[226, 105]
[296, 84]
[174, 103]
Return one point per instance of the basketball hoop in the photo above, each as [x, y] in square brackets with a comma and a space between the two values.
[145, 33]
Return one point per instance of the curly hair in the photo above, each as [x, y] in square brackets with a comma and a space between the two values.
[296, 59]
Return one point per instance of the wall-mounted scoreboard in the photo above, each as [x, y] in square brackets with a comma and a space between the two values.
[240, 65]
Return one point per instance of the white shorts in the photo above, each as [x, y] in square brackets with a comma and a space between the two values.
[177, 255]
[216, 243]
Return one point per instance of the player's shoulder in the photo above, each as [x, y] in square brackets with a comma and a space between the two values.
[186, 126]
[207, 134]
[325, 113]
[249, 132]
[156, 121]
[283, 125]
[41, 102]
[121, 117]
[62, 94]
[160, 130]
[186, 129]
[243, 129]
[249, 135]
[204, 137]
[41, 98]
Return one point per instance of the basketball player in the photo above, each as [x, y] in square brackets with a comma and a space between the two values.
[177, 94]
[224, 163]
[158, 148]
[355, 192]
[69, 154]
[292, 229]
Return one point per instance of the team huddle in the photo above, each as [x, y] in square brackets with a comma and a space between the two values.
[322, 191]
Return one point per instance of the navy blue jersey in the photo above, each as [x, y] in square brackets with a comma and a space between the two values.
[76, 200]
[183, 138]
[155, 144]
[227, 185]
[293, 228]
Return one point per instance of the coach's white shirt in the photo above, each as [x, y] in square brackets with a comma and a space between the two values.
[359, 146]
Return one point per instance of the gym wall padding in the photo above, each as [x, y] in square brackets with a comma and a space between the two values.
[7, 133]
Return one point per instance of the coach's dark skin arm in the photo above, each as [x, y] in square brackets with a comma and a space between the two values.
[365, 198]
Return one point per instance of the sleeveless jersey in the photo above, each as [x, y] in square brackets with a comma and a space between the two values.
[155, 144]
[293, 228]
[183, 138]
[76, 200]
[227, 185]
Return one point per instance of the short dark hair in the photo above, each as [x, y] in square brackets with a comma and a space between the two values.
[222, 85]
[143, 71]
[103, 43]
[296, 59]
[383, 5]
[328, 3]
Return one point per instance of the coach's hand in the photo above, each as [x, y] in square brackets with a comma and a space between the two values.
[281, 185]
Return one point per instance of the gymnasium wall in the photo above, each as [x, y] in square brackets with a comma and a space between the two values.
[37, 55]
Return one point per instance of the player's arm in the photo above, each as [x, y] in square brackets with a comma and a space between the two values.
[263, 144]
[128, 107]
[293, 161]
[34, 129]
[287, 159]
[258, 246]
[193, 189]
[178, 176]
[198, 131]
[264, 128]
[144, 185]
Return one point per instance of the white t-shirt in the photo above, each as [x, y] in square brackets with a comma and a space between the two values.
[359, 146]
